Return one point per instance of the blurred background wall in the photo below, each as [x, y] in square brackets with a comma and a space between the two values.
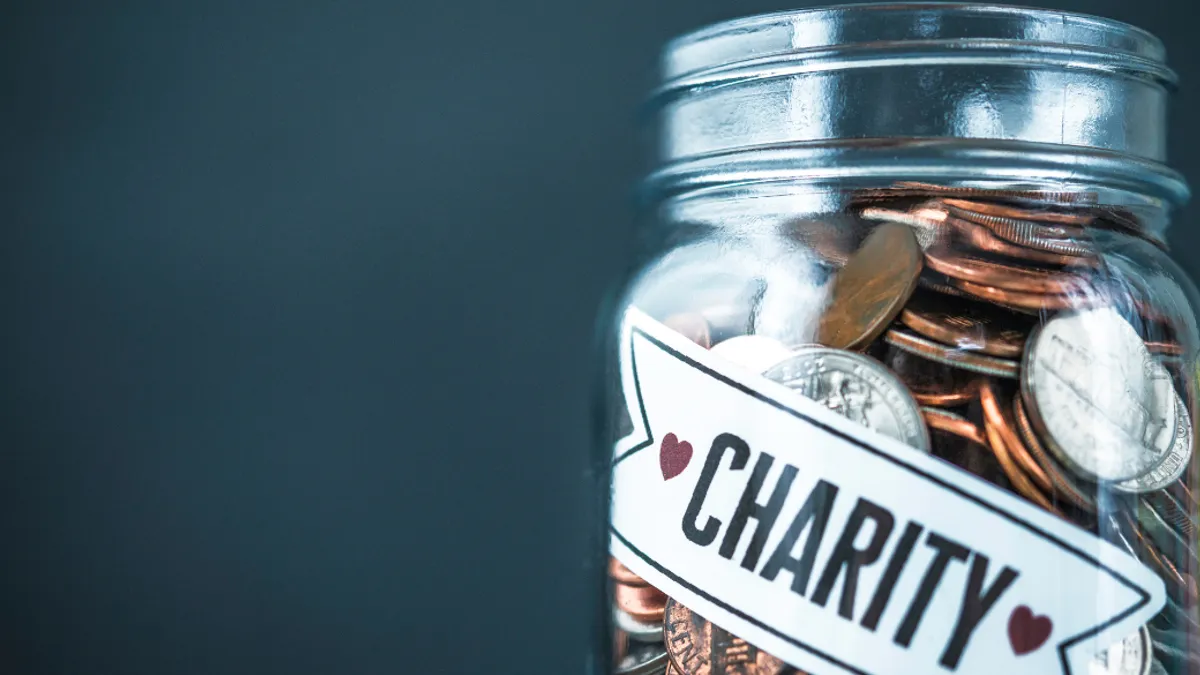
[298, 300]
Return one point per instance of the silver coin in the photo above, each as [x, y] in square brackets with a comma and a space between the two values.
[1106, 407]
[1131, 656]
[1174, 464]
[644, 659]
[857, 388]
[636, 630]
[753, 352]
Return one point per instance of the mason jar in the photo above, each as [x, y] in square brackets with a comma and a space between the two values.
[906, 379]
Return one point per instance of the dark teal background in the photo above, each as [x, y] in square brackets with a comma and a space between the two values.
[297, 307]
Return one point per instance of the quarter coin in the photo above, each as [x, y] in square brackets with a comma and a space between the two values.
[981, 239]
[856, 387]
[970, 326]
[993, 209]
[1106, 407]
[869, 291]
[951, 356]
[696, 646]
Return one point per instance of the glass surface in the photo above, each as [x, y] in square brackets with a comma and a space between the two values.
[907, 381]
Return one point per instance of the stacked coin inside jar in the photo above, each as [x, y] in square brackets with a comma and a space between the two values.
[1000, 331]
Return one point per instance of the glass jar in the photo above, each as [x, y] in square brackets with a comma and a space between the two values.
[906, 380]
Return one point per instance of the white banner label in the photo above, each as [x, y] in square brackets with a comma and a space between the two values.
[838, 549]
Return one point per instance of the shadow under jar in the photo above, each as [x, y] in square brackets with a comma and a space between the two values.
[906, 381]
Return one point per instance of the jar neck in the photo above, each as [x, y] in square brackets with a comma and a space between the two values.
[944, 93]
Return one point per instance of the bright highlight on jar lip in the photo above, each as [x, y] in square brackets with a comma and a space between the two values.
[909, 383]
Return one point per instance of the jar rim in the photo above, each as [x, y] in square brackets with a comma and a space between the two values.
[776, 34]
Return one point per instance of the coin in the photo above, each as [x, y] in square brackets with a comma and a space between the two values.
[931, 383]
[988, 273]
[982, 239]
[1131, 656]
[940, 284]
[996, 416]
[928, 226]
[974, 361]
[970, 326]
[620, 645]
[644, 659]
[643, 603]
[869, 291]
[1034, 235]
[1173, 512]
[1164, 347]
[1019, 480]
[692, 326]
[1076, 219]
[856, 387]
[1031, 193]
[753, 352]
[953, 423]
[1020, 300]
[1176, 461]
[1106, 408]
[1064, 483]
[622, 575]
[639, 631]
[696, 646]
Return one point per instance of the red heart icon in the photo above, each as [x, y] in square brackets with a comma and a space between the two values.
[673, 456]
[1027, 631]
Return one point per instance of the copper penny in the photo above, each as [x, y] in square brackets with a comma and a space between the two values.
[932, 383]
[1076, 219]
[952, 423]
[982, 239]
[952, 356]
[940, 284]
[622, 575]
[1164, 347]
[996, 416]
[869, 291]
[1027, 301]
[970, 326]
[644, 603]
[698, 647]
[692, 326]
[1020, 482]
[1064, 484]
[1025, 279]
[620, 645]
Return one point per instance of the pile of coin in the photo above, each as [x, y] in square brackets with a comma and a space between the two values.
[999, 331]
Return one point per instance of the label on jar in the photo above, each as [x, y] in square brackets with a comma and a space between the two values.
[838, 549]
